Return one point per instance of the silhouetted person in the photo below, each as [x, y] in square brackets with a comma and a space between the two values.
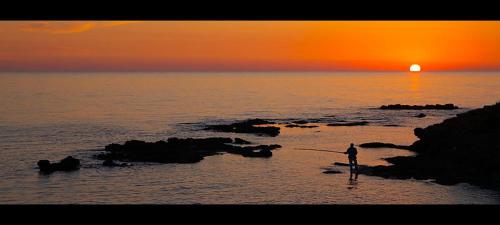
[353, 162]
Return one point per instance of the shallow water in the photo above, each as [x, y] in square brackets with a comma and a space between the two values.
[50, 116]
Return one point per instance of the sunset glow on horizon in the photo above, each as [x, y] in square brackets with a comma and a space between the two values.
[248, 45]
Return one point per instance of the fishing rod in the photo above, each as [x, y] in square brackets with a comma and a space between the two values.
[319, 150]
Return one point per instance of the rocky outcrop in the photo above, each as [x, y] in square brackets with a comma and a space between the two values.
[239, 141]
[383, 145]
[300, 126]
[176, 150]
[248, 126]
[419, 107]
[464, 148]
[421, 115]
[67, 164]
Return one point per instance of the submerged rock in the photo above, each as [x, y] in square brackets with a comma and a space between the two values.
[248, 126]
[464, 148]
[262, 153]
[176, 150]
[340, 164]
[359, 123]
[332, 171]
[383, 145]
[301, 126]
[67, 164]
[240, 141]
[421, 115]
[300, 121]
[362, 168]
[111, 163]
[419, 107]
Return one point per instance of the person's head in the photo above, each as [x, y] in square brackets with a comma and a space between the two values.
[352, 144]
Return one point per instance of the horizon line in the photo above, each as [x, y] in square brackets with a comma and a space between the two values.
[240, 71]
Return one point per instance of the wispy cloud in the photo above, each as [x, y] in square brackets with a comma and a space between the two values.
[69, 27]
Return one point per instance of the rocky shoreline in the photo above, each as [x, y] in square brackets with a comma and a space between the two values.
[462, 149]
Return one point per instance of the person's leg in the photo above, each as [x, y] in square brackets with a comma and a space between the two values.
[356, 167]
[350, 169]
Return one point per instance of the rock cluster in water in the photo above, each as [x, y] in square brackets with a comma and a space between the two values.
[67, 164]
[419, 107]
[300, 126]
[383, 145]
[248, 126]
[465, 148]
[177, 150]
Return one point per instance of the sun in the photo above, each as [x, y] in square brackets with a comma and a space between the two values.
[415, 68]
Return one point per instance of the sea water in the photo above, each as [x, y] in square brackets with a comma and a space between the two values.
[53, 115]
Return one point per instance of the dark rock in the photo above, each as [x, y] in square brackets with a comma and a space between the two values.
[108, 162]
[308, 120]
[67, 164]
[421, 115]
[258, 121]
[464, 149]
[248, 126]
[44, 166]
[340, 164]
[254, 151]
[399, 159]
[301, 126]
[111, 163]
[362, 168]
[176, 150]
[264, 153]
[300, 122]
[308, 126]
[331, 171]
[360, 123]
[419, 132]
[419, 107]
[240, 141]
[383, 145]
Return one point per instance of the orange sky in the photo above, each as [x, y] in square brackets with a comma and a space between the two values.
[248, 45]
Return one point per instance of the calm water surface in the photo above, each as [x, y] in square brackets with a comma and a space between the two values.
[53, 115]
